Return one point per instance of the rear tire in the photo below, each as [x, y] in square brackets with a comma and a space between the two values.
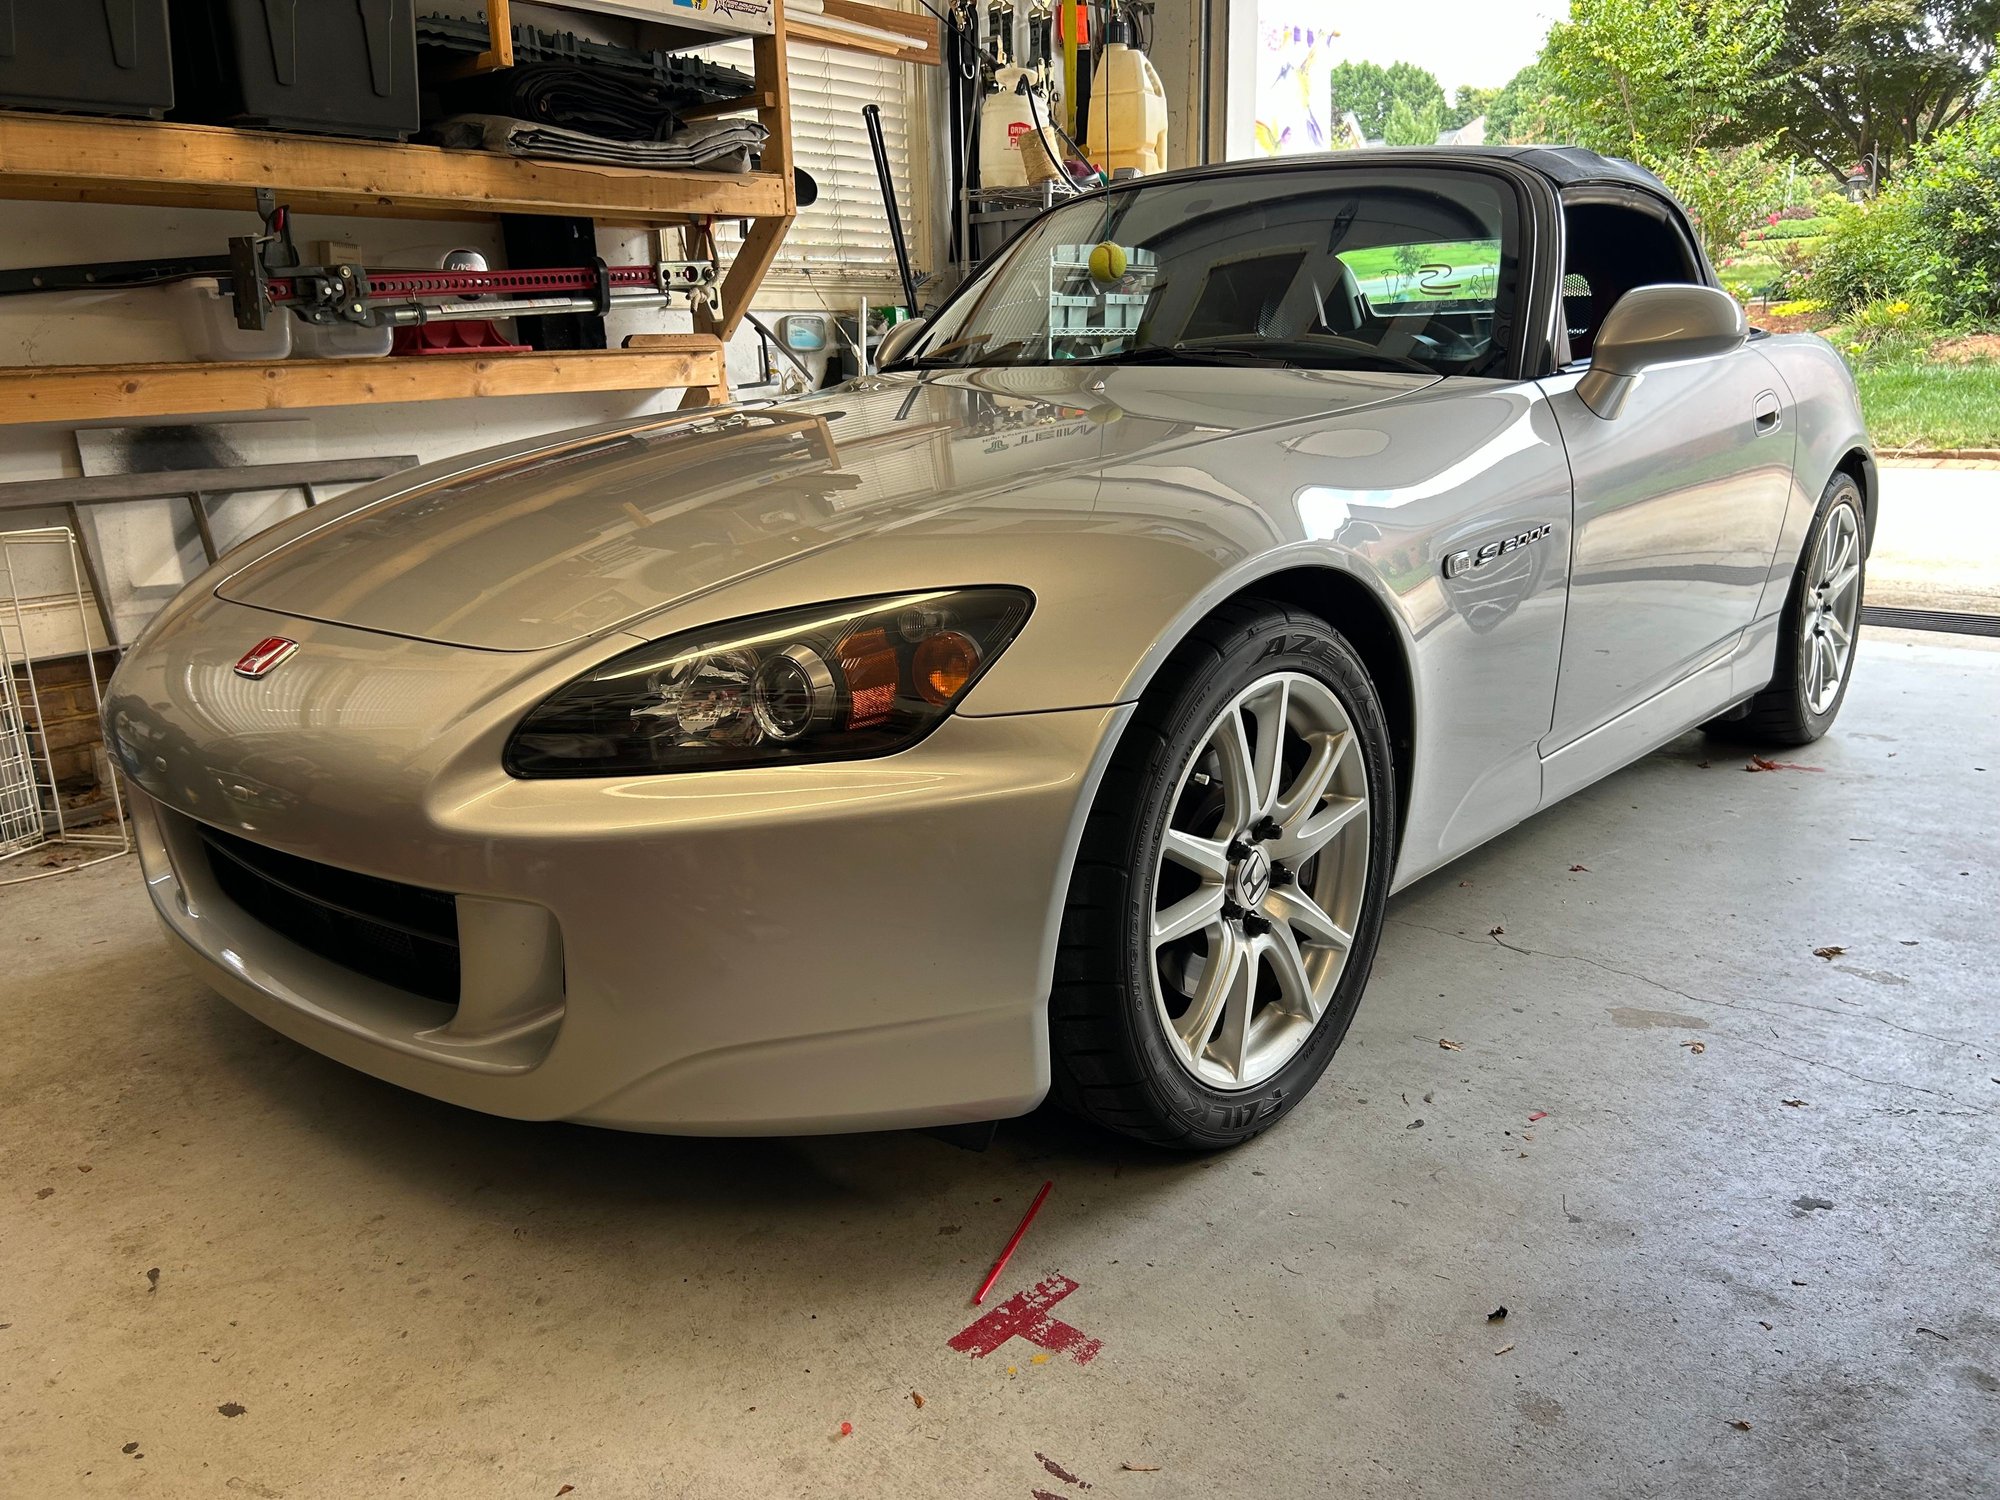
[1820, 631]
[1203, 985]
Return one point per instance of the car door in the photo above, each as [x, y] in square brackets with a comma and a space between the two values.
[1679, 499]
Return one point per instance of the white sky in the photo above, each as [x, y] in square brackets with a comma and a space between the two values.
[1480, 42]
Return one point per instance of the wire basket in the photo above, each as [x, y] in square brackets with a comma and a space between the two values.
[34, 813]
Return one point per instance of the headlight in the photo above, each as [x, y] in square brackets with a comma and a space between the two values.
[827, 683]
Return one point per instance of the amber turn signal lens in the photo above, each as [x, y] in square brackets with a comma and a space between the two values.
[943, 665]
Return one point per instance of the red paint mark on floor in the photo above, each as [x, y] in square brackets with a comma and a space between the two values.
[1026, 1316]
[1060, 1472]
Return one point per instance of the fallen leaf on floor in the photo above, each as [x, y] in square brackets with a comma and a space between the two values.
[1503, 1349]
[1758, 763]
[1498, 1314]
[1450, 1046]
[1527, 1135]
[1695, 1046]
[1934, 1334]
[1429, 1097]
[153, 1279]
[1767, 1327]
[1807, 1205]
[232, 1408]
[1140, 1468]
[1907, 942]
[1740, 1425]
[1793, 1103]
[1414, 1125]
[1463, 884]
[1830, 952]
[1540, 1114]
[83, 1166]
[1701, 765]
[1579, 869]
[1495, 931]
[51, 1192]
[566, 1489]
[917, 1396]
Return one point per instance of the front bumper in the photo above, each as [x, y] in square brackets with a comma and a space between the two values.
[853, 946]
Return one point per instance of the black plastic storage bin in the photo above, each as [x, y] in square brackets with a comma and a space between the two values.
[340, 67]
[96, 57]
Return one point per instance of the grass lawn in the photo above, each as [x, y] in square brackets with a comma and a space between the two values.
[1920, 404]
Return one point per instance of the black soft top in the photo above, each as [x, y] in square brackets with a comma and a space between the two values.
[1563, 166]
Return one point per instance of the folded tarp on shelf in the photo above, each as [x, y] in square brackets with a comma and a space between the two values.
[615, 104]
[715, 145]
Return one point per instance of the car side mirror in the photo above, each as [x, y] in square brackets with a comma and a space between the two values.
[1657, 325]
[897, 340]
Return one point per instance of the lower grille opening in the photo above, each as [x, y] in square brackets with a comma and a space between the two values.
[401, 935]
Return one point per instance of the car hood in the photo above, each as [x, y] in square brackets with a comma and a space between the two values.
[580, 535]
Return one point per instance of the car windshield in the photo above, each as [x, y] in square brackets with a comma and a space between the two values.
[1325, 268]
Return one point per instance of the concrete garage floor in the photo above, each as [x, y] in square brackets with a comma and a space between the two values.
[264, 1275]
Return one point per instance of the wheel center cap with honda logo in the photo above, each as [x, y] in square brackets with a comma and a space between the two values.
[264, 657]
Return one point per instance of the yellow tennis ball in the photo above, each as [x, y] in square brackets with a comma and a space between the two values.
[1107, 261]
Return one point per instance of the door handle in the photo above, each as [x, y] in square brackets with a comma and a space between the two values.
[1768, 412]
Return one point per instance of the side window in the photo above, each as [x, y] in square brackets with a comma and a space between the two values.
[1609, 249]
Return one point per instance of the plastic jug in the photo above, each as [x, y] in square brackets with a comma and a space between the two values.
[1007, 115]
[1128, 109]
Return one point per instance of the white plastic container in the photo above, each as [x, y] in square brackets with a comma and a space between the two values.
[1007, 115]
[1128, 112]
[339, 340]
[209, 316]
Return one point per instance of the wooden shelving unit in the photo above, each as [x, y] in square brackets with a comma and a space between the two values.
[79, 393]
[67, 158]
[74, 159]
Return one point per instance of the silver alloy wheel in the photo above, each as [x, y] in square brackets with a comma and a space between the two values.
[1832, 604]
[1260, 880]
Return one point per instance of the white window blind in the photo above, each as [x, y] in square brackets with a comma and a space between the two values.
[843, 239]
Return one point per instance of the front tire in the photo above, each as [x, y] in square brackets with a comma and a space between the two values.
[1228, 894]
[1819, 632]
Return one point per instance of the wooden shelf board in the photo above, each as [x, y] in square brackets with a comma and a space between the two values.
[77, 159]
[804, 26]
[77, 393]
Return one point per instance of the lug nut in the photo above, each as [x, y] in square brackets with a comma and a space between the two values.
[1238, 849]
[1231, 911]
[1280, 876]
[1255, 925]
[1267, 830]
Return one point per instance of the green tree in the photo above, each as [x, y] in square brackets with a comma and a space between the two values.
[1724, 190]
[1372, 91]
[1661, 78]
[1413, 127]
[1468, 104]
[1875, 78]
[1520, 112]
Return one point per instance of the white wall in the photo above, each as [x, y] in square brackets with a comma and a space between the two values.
[153, 325]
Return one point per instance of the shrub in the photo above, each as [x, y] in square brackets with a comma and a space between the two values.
[1810, 226]
[1868, 254]
[1890, 328]
[1954, 196]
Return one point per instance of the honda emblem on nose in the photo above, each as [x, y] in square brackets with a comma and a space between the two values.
[261, 658]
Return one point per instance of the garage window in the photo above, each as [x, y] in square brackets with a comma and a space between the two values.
[842, 242]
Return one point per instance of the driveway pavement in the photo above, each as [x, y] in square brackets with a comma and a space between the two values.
[1937, 543]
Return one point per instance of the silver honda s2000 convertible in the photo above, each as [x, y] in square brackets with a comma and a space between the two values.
[1056, 710]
